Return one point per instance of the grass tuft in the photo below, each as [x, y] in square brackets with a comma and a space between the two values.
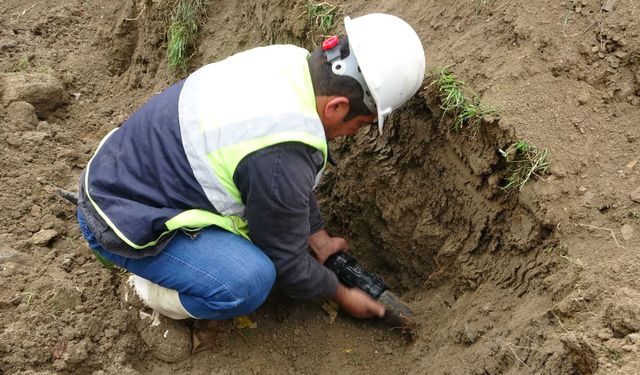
[465, 111]
[23, 64]
[181, 34]
[479, 5]
[322, 18]
[523, 161]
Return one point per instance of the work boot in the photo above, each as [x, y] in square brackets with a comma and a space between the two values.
[169, 340]
[208, 334]
[128, 295]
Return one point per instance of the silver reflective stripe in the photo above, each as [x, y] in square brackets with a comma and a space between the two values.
[247, 130]
[195, 147]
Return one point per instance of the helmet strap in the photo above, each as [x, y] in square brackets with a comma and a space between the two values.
[348, 66]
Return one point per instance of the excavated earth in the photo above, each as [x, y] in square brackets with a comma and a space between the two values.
[542, 280]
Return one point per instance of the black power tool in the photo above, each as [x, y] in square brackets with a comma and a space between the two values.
[352, 274]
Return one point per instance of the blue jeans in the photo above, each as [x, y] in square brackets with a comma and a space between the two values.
[218, 275]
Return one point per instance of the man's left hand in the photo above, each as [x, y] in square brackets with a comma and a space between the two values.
[323, 245]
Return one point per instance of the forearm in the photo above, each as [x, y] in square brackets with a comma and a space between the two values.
[276, 186]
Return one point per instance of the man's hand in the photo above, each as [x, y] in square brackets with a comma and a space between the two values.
[323, 245]
[357, 303]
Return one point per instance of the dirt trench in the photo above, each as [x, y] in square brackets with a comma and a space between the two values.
[500, 282]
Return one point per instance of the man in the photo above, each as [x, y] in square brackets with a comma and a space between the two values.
[205, 193]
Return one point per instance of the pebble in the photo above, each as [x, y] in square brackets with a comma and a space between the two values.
[583, 97]
[627, 232]
[629, 348]
[625, 90]
[635, 195]
[609, 5]
[43, 237]
[605, 334]
[621, 55]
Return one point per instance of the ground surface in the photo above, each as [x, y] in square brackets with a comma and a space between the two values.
[543, 280]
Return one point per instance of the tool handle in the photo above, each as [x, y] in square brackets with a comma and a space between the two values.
[352, 274]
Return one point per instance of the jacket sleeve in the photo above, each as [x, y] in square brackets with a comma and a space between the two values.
[276, 186]
[316, 222]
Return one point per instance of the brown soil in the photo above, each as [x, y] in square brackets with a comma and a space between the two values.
[542, 280]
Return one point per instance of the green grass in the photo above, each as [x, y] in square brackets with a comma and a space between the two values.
[523, 161]
[571, 6]
[26, 65]
[27, 298]
[23, 64]
[479, 5]
[181, 34]
[322, 18]
[465, 112]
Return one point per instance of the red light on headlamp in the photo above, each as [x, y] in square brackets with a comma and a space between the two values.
[330, 42]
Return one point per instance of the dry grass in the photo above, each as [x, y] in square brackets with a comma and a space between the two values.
[523, 162]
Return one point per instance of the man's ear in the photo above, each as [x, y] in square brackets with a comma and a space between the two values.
[336, 109]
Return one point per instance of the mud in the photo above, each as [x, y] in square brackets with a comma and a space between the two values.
[542, 280]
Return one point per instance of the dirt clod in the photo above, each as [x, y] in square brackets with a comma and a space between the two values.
[22, 116]
[623, 313]
[43, 91]
[43, 237]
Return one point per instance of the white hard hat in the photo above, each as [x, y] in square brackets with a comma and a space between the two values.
[390, 56]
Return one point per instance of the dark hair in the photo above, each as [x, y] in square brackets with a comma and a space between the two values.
[325, 82]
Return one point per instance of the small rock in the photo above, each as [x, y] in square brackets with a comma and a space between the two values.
[609, 5]
[632, 163]
[629, 348]
[613, 61]
[42, 126]
[635, 195]
[67, 264]
[625, 90]
[43, 237]
[8, 45]
[595, 49]
[76, 353]
[634, 338]
[583, 97]
[588, 198]
[621, 55]
[605, 334]
[35, 136]
[627, 232]
[22, 116]
[110, 332]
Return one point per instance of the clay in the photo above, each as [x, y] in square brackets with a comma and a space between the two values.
[542, 280]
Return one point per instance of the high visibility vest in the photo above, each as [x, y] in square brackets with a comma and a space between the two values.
[137, 182]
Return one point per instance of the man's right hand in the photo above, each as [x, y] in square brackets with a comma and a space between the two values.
[358, 303]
